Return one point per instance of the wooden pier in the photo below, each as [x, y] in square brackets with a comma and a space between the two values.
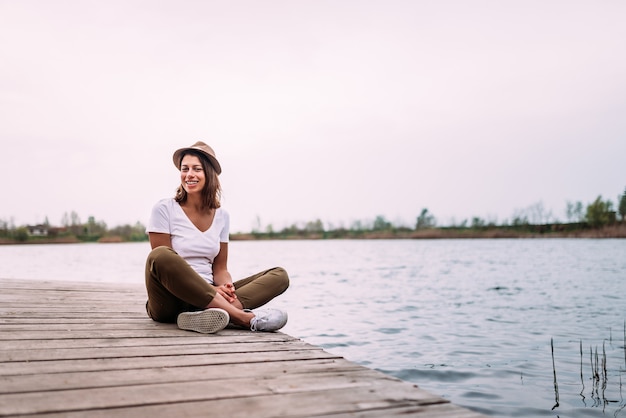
[76, 349]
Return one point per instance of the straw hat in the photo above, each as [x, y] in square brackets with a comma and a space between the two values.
[203, 149]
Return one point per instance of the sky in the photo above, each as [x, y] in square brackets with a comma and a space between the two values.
[317, 109]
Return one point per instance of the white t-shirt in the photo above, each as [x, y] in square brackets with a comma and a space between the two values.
[198, 248]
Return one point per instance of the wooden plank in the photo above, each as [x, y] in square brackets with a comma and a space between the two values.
[177, 339]
[61, 356]
[60, 285]
[150, 351]
[67, 315]
[45, 321]
[203, 389]
[71, 295]
[351, 401]
[96, 364]
[128, 377]
[161, 331]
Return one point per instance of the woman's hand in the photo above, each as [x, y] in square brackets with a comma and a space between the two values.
[228, 291]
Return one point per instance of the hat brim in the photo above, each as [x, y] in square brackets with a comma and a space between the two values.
[177, 157]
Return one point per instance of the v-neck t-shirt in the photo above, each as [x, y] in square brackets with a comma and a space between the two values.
[198, 248]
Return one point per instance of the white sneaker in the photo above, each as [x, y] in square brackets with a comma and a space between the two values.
[207, 322]
[268, 319]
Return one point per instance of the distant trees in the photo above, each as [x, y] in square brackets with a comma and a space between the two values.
[73, 229]
[21, 234]
[4, 228]
[72, 223]
[597, 213]
[574, 212]
[135, 232]
[94, 228]
[535, 214]
[381, 224]
[477, 223]
[534, 218]
[314, 226]
[600, 213]
[622, 206]
[425, 220]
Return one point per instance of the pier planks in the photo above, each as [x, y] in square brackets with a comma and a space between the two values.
[78, 349]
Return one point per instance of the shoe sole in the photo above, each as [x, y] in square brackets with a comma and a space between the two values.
[208, 321]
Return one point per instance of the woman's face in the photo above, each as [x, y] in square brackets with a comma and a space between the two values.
[192, 175]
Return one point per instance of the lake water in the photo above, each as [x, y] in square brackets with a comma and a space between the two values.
[474, 321]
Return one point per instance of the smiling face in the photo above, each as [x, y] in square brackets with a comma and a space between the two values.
[199, 180]
[192, 175]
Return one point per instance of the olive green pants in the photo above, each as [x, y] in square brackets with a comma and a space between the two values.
[174, 287]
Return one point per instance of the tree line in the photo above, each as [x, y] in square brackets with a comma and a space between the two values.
[534, 219]
[72, 229]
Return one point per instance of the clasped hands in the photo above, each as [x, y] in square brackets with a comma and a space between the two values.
[228, 291]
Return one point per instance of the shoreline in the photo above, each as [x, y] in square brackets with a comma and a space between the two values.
[616, 231]
[525, 232]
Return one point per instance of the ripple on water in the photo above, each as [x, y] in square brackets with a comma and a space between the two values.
[390, 330]
[435, 373]
[480, 395]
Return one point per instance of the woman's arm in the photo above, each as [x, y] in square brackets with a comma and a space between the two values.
[158, 239]
[221, 275]
[222, 278]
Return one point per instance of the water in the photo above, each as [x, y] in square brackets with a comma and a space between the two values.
[474, 321]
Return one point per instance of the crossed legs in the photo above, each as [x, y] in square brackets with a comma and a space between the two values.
[174, 287]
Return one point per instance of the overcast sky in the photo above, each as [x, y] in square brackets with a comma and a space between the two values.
[337, 110]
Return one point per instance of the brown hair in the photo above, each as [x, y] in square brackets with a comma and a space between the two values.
[212, 190]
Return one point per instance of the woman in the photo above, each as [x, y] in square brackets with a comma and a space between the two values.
[187, 278]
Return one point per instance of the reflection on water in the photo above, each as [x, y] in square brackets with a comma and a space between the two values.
[604, 386]
[504, 327]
